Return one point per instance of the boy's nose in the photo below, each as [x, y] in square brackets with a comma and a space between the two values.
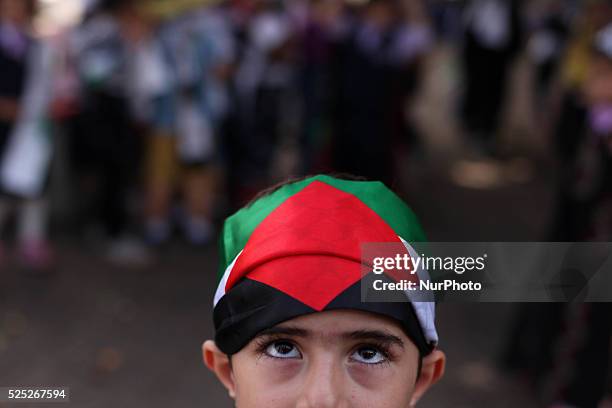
[324, 386]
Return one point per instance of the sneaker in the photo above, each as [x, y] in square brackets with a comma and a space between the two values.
[157, 232]
[129, 252]
[199, 231]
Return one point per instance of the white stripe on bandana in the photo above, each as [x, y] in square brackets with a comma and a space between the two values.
[221, 288]
[425, 311]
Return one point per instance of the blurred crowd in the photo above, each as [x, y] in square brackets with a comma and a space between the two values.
[170, 109]
[175, 113]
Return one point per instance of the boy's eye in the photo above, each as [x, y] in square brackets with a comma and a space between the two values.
[283, 349]
[368, 355]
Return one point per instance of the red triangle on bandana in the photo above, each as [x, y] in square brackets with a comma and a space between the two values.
[310, 246]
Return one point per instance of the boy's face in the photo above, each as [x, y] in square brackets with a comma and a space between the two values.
[329, 359]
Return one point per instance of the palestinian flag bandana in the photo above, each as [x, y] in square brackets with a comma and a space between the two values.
[297, 251]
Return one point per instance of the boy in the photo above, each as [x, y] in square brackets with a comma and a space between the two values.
[291, 329]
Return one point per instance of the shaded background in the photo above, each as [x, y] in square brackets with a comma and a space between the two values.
[108, 270]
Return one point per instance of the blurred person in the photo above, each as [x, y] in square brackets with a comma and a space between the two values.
[291, 329]
[105, 143]
[581, 369]
[377, 68]
[598, 85]
[265, 78]
[595, 168]
[549, 31]
[193, 54]
[492, 38]
[316, 47]
[571, 131]
[24, 139]
[565, 349]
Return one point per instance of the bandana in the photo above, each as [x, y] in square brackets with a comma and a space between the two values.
[297, 251]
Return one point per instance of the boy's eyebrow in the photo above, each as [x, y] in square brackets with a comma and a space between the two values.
[363, 335]
[285, 331]
[375, 335]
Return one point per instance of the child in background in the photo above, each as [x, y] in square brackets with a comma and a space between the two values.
[377, 54]
[598, 87]
[20, 113]
[493, 34]
[192, 54]
[104, 142]
[578, 93]
[597, 93]
[564, 348]
[264, 81]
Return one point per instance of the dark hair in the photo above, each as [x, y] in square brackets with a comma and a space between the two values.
[273, 188]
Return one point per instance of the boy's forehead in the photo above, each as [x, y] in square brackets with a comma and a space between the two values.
[340, 322]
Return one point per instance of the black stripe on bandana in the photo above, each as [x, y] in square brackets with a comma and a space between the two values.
[251, 307]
